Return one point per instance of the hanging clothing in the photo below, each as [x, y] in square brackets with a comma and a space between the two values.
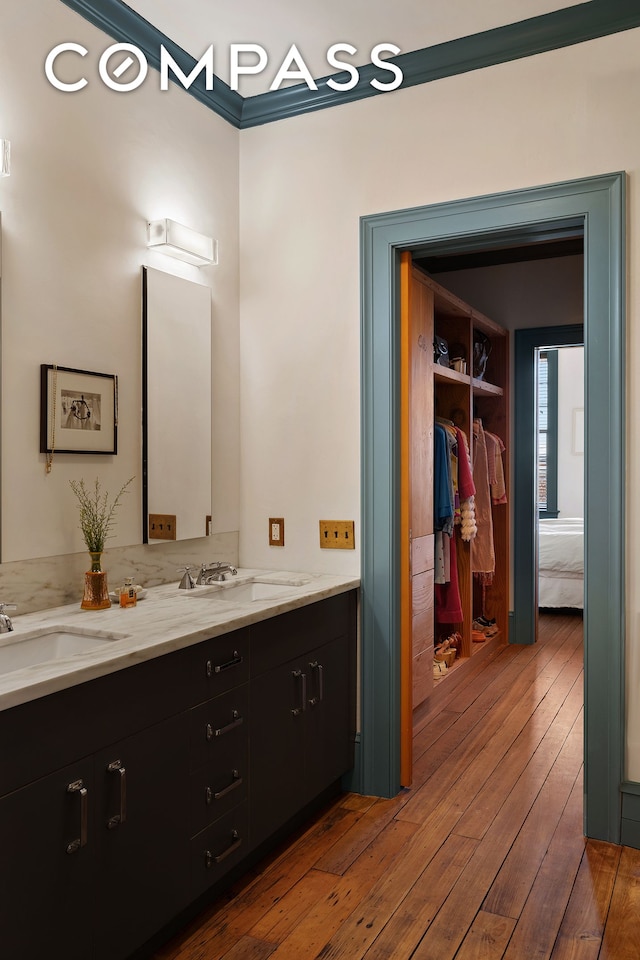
[446, 480]
[447, 596]
[466, 489]
[442, 558]
[466, 486]
[483, 558]
[443, 508]
[496, 469]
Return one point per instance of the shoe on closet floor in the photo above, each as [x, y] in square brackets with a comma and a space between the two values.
[488, 629]
[485, 621]
[439, 669]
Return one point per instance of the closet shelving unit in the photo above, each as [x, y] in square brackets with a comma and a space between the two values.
[460, 397]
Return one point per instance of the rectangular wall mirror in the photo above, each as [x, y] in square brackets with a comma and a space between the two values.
[176, 407]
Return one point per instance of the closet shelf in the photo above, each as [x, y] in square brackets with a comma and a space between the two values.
[447, 374]
[483, 389]
[480, 387]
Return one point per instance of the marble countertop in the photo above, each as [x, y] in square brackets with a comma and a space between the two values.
[167, 619]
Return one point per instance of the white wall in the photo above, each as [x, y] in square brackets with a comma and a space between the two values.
[88, 170]
[570, 449]
[305, 182]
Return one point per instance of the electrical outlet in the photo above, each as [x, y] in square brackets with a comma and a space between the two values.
[337, 535]
[276, 531]
[162, 526]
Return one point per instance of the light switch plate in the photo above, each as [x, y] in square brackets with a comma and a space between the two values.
[162, 526]
[337, 534]
[276, 531]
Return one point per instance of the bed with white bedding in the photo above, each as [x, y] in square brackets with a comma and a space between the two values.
[561, 563]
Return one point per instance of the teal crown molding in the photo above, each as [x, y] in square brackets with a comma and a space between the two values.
[125, 26]
[550, 31]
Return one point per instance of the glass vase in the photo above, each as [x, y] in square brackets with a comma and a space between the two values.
[96, 592]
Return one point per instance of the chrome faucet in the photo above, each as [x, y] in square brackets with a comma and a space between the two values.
[187, 582]
[6, 625]
[215, 572]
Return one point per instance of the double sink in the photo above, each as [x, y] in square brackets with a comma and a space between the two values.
[48, 644]
[246, 591]
[44, 645]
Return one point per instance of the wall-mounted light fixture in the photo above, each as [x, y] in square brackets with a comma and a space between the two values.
[5, 158]
[167, 236]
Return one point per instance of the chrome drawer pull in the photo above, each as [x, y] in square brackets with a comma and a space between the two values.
[299, 675]
[210, 858]
[319, 669]
[221, 667]
[116, 767]
[78, 787]
[213, 732]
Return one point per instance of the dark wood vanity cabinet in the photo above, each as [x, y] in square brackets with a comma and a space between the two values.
[302, 733]
[140, 837]
[94, 855]
[46, 894]
[122, 800]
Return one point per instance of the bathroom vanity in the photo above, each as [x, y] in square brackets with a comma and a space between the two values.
[136, 777]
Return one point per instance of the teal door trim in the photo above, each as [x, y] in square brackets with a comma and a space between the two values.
[599, 203]
[525, 497]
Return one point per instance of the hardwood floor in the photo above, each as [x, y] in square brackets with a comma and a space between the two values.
[483, 858]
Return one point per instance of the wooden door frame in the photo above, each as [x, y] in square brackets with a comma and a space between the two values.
[598, 204]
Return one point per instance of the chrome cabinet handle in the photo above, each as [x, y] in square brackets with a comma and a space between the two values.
[116, 767]
[211, 858]
[213, 732]
[319, 671]
[302, 677]
[236, 782]
[221, 667]
[78, 787]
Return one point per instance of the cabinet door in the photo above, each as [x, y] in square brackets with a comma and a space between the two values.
[278, 713]
[47, 867]
[142, 832]
[329, 717]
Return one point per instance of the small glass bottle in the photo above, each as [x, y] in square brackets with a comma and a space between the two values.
[128, 595]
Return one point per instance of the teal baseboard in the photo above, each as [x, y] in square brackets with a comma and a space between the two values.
[630, 823]
[352, 781]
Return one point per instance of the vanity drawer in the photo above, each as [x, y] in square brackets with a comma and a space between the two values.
[221, 663]
[218, 848]
[217, 727]
[290, 635]
[218, 787]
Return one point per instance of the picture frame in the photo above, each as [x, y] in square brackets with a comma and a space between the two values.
[78, 410]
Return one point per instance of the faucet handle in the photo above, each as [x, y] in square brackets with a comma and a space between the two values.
[187, 582]
[5, 620]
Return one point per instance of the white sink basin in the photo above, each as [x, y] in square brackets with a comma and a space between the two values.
[248, 591]
[48, 644]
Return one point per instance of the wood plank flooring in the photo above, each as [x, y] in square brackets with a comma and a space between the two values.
[483, 858]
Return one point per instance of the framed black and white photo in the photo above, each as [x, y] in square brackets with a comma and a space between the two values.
[78, 410]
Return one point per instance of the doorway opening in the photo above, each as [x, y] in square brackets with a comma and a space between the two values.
[505, 288]
[599, 203]
[560, 479]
